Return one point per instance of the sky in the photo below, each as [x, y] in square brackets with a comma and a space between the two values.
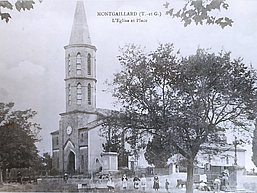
[32, 53]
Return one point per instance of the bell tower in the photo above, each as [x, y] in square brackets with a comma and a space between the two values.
[73, 155]
[76, 145]
[80, 66]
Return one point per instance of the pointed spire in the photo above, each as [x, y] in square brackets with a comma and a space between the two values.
[80, 32]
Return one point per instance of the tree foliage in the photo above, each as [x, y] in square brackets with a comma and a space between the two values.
[6, 6]
[113, 139]
[187, 102]
[200, 12]
[18, 135]
[254, 145]
[157, 152]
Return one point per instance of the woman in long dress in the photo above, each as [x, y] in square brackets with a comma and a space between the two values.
[136, 182]
[124, 182]
[156, 185]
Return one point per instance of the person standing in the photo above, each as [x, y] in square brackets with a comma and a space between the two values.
[124, 182]
[65, 177]
[156, 185]
[143, 182]
[216, 184]
[19, 177]
[167, 185]
[136, 182]
[224, 180]
[110, 184]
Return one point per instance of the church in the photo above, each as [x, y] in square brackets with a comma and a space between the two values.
[77, 146]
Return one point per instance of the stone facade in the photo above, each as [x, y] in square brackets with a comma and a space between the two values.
[77, 146]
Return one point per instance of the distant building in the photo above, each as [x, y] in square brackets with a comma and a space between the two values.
[76, 145]
[227, 158]
[214, 165]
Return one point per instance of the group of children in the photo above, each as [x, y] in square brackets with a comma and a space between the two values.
[137, 183]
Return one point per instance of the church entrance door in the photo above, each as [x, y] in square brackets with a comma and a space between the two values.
[71, 163]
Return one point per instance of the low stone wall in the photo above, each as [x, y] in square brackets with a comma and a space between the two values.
[53, 184]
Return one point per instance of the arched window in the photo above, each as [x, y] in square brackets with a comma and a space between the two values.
[78, 61]
[89, 64]
[57, 141]
[79, 94]
[69, 66]
[89, 94]
[78, 64]
[82, 137]
[69, 94]
[82, 162]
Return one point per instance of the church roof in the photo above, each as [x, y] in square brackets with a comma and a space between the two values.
[80, 32]
[55, 132]
[99, 121]
[102, 111]
[92, 125]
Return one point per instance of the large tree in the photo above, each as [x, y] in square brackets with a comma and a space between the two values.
[18, 134]
[187, 102]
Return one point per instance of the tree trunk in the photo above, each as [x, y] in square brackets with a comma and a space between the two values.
[122, 151]
[1, 176]
[4, 175]
[190, 177]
